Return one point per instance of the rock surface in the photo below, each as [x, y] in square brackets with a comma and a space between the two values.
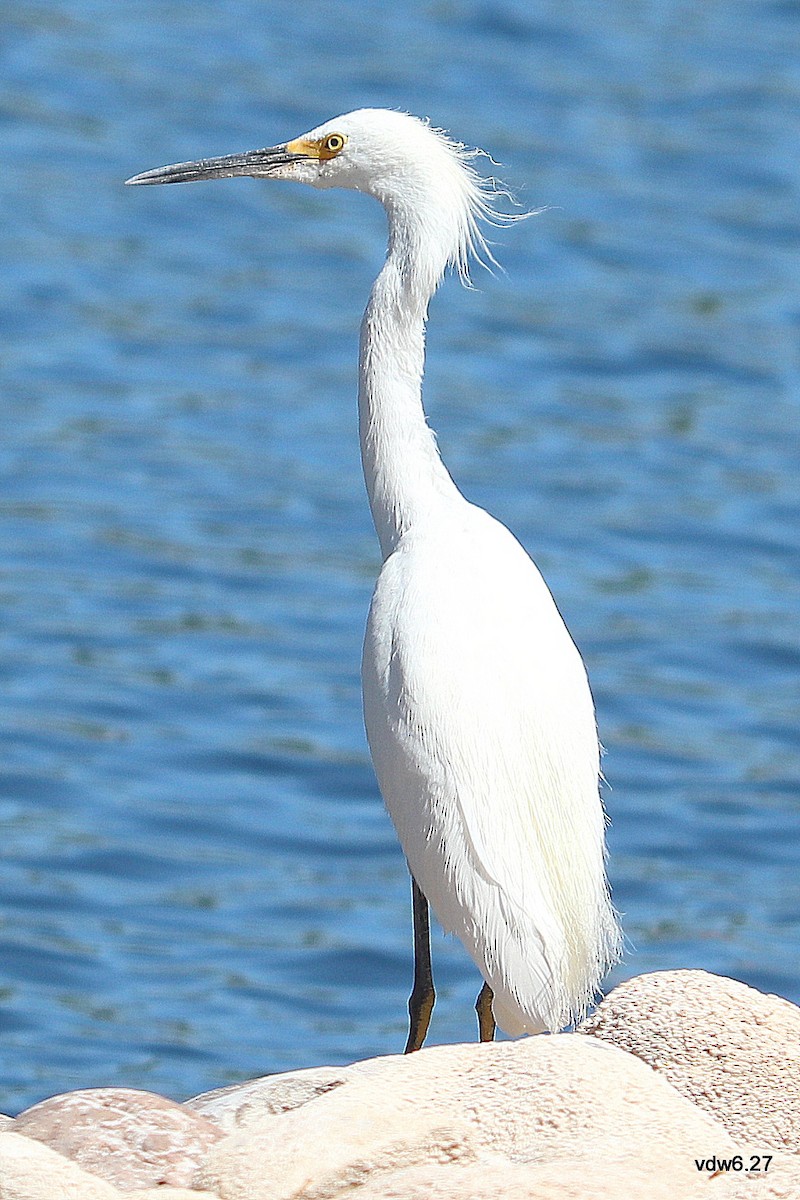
[130, 1138]
[31, 1171]
[167, 1193]
[732, 1051]
[243, 1103]
[553, 1107]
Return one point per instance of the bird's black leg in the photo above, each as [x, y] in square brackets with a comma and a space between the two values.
[483, 1007]
[421, 1000]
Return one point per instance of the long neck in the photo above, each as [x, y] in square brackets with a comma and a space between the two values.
[405, 477]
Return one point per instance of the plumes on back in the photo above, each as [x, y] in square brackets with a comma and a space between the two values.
[482, 732]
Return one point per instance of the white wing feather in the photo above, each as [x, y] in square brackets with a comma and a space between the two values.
[482, 731]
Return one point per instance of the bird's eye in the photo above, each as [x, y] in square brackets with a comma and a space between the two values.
[332, 144]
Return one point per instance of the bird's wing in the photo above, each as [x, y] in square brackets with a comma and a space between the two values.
[476, 698]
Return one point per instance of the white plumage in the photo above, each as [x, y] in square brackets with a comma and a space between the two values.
[482, 733]
[478, 711]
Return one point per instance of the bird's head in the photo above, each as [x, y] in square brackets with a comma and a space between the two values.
[424, 180]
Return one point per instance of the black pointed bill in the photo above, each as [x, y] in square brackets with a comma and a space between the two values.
[253, 162]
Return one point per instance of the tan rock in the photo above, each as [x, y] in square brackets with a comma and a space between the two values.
[733, 1051]
[502, 1180]
[31, 1171]
[561, 1105]
[169, 1193]
[130, 1138]
[486, 1180]
[242, 1103]
[320, 1153]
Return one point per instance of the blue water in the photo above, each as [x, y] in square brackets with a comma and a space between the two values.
[198, 881]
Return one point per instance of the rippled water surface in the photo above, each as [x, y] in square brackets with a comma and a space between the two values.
[198, 880]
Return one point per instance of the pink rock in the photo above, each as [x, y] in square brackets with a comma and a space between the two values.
[133, 1139]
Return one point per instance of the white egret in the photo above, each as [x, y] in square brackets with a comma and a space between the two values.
[477, 707]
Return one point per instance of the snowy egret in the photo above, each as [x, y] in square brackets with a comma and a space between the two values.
[477, 707]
